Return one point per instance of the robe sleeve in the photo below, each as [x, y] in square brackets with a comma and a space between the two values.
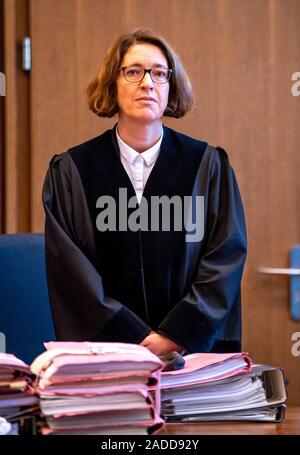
[80, 308]
[198, 318]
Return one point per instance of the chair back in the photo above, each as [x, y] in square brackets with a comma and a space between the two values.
[25, 315]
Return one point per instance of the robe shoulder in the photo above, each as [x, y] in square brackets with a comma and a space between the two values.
[91, 144]
[184, 141]
[171, 137]
[106, 142]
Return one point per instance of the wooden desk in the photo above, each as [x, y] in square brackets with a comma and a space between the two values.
[291, 426]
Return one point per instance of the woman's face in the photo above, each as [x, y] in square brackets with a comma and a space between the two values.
[129, 93]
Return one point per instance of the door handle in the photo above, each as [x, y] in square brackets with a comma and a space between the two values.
[279, 271]
[294, 273]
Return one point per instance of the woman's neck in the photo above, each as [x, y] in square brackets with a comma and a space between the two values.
[139, 136]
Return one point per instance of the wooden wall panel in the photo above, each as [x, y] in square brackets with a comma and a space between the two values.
[271, 192]
[17, 120]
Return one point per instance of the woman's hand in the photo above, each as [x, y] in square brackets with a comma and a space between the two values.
[159, 344]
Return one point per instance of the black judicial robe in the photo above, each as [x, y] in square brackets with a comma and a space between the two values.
[120, 285]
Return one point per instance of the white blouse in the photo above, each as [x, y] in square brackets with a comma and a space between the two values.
[138, 165]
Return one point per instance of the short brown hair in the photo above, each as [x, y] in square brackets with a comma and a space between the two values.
[102, 89]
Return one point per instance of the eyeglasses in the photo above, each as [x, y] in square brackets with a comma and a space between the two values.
[136, 73]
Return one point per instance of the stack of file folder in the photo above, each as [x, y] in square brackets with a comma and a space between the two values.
[223, 387]
[98, 388]
[122, 389]
[18, 401]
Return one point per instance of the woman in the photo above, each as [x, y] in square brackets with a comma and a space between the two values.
[115, 270]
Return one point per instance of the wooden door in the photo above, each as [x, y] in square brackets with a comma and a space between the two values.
[240, 56]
